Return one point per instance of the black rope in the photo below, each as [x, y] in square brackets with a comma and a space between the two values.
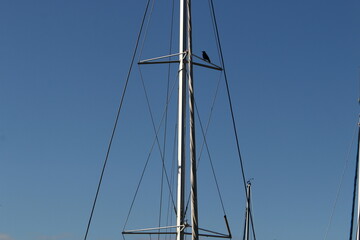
[354, 192]
[230, 103]
[346, 160]
[115, 124]
[229, 97]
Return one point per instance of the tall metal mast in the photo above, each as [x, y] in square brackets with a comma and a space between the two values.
[193, 178]
[185, 73]
[185, 48]
[181, 124]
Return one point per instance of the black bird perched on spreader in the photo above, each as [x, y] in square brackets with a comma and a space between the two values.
[205, 56]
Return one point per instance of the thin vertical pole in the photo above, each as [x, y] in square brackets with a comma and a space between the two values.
[247, 212]
[181, 124]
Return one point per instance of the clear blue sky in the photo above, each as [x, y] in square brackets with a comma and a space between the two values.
[293, 68]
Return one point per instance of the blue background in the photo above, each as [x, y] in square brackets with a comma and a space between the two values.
[293, 69]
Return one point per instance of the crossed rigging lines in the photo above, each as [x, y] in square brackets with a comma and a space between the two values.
[156, 130]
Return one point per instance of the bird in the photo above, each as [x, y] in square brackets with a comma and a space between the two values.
[205, 57]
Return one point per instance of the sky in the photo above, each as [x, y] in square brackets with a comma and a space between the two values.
[293, 71]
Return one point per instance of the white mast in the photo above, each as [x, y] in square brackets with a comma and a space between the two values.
[181, 125]
[185, 50]
[185, 72]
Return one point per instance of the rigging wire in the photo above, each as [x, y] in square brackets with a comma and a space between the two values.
[204, 134]
[343, 174]
[341, 183]
[210, 159]
[172, 179]
[116, 122]
[228, 94]
[146, 163]
[252, 224]
[156, 140]
[213, 21]
[354, 192]
[161, 192]
[155, 130]
[355, 185]
[166, 114]
[359, 85]
[163, 154]
[251, 221]
[146, 30]
[229, 99]
[210, 116]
